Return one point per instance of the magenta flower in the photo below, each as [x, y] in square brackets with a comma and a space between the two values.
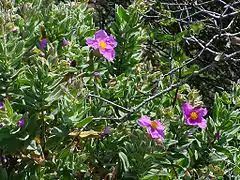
[218, 135]
[139, 89]
[21, 123]
[73, 63]
[42, 53]
[104, 43]
[106, 131]
[97, 74]
[154, 128]
[15, 29]
[4, 161]
[65, 42]
[1, 126]
[43, 43]
[1, 105]
[194, 116]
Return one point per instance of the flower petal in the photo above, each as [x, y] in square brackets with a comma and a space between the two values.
[189, 121]
[161, 133]
[187, 109]
[109, 54]
[218, 135]
[91, 42]
[111, 43]
[144, 121]
[159, 125]
[155, 133]
[201, 112]
[97, 74]
[21, 123]
[1, 105]
[106, 131]
[100, 35]
[203, 124]
[43, 43]
[65, 42]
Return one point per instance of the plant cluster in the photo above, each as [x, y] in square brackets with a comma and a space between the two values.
[105, 90]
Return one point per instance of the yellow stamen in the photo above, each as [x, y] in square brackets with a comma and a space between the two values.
[37, 140]
[102, 45]
[154, 124]
[194, 115]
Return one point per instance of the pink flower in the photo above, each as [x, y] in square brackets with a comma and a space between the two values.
[2, 106]
[154, 128]
[43, 43]
[21, 123]
[104, 43]
[73, 63]
[194, 116]
[65, 42]
[15, 29]
[97, 74]
[218, 135]
[106, 131]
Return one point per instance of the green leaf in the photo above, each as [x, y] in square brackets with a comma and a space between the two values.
[196, 28]
[32, 145]
[124, 161]
[226, 98]
[122, 14]
[170, 142]
[1, 48]
[151, 177]
[84, 122]
[232, 132]
[158, 172]
[23, 137]
[55, 83]
[196, 154]
[9, 108]
[19, 48]
[164, 37]
[134, 19]
[55, 94]
[3, 174]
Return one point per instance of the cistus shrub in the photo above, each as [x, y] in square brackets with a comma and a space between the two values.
[114, 90]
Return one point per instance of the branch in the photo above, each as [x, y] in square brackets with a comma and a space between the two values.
[110, 102]
[172, 87]
[189, 61]
[106, 118]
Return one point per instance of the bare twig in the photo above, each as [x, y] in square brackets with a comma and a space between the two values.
[172, 87]
[110, 102]
[106, 118]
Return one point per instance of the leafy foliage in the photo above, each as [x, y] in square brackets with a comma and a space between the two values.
[66, 106]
